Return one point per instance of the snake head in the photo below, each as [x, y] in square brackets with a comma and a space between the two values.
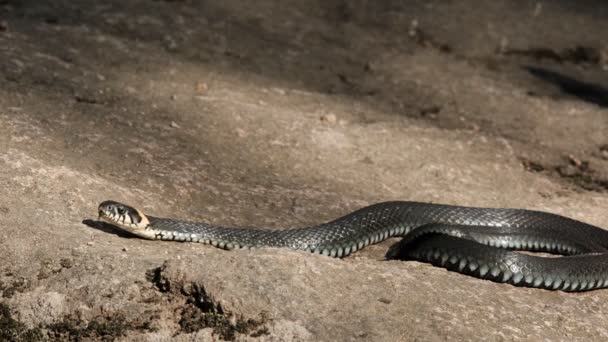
[124, 217]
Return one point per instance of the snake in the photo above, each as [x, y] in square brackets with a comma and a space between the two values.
[515, 246]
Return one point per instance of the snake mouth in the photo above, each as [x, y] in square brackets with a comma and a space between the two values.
[124, 217]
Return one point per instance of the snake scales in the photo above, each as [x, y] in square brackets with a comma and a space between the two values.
[475, 241]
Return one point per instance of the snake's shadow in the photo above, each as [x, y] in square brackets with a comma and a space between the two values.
[397, 251]
[107, 228]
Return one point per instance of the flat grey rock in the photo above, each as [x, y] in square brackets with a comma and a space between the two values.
[285, 114]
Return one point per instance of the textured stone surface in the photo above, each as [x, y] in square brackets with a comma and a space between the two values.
[282, 114]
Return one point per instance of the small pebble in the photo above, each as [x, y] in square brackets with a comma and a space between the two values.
[18, 63]
[66, 263]
[174, 124]
[575, 161]
[90, 243]
[201, 87]
[124, 249]
[241, 132]
[568, 170]
[384, 300]
[170, 43]
[279, 91]
[329, 118]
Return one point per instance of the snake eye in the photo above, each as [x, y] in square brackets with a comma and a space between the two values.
[121, 210]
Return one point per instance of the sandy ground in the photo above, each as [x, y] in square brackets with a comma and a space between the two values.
[281, 114]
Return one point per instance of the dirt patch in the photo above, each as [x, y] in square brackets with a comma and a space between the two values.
[194, 318]
[49, 268]
[106, 328]
[16, 284]
[585, 55]
[200, 311]
[582, 174]
[12, 330]
[575, 172]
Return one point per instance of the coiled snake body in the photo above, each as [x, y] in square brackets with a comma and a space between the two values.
[474, 241]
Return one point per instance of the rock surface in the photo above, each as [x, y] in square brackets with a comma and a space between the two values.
[281, 114]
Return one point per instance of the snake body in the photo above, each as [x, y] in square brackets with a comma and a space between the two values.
[475, 241]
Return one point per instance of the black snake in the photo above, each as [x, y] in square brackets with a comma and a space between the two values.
[474, 241]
